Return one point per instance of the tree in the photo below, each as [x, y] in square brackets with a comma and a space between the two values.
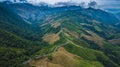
[50, 57]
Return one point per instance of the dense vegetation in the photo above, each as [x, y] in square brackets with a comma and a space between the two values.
[92, 55]
[88, 32]
[76, 25]
[18, 39]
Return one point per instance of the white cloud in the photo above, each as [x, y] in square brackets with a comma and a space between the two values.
[55, 1]
[46, 1]
[52, 1]
[101, 3]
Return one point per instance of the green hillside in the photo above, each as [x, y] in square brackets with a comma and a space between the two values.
[18, 39]
[66, 38]
[87, 36]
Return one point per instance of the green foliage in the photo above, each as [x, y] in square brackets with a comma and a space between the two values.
[106, 62]
[50, 57]
[82, 52]
[45, 50]
[13, 23]
[87, 63]
[112, 51]
[89, 54]
[98, 28]
[71, 26]
[15, 34]
[19, 39]
[11, 57]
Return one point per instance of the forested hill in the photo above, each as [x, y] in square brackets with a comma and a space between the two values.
[66, 36]
[18, 39]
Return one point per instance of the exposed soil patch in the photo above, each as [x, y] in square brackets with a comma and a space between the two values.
[61, 58]
[95, 38]
[72, 33]
[115, 41]
[51, 38]
[55, 25]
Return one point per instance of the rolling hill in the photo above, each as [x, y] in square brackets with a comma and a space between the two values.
[25, 10]
[65, 37]
[89, 38]
[18, 39]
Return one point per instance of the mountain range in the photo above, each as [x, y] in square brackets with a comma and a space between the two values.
[66, 36]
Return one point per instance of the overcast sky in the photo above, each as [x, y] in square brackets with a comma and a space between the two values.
[113, 5]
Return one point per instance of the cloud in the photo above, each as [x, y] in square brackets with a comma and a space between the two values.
[102, 4]
[48, 1]
[92, 4]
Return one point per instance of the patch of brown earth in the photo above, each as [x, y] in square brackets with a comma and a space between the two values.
[115, 41]
[51, 38]
[43, 63]
[61, 58]
[64, 58]
[55, 25]
[72, 33]
[95, 38]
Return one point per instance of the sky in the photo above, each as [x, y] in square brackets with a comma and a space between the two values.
[111, 5]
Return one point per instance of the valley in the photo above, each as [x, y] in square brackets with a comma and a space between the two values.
[66, 36]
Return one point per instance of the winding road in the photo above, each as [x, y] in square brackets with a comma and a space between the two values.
[57, 47]
[46, 54]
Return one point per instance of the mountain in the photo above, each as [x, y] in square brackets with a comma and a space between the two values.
[101, 16]
[25, 10]
[60, 4]
[22, 26]
[112, 10]
[87, 39]
[18, 39]
[118, 14]
[68, 36]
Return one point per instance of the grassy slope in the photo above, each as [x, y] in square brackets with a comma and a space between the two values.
[86, 50]
[71, 21]
[89, 54]
[12, 57]
[15, 33]
[63, 58]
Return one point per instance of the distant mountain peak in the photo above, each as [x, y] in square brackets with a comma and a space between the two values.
[66, 4]
[13, 1]
[58, 4]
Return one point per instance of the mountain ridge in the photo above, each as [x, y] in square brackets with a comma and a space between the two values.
[84, 36]
[84, 31]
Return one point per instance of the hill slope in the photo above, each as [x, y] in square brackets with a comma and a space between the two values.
[88, 38]
[68, 37]
[18, 39]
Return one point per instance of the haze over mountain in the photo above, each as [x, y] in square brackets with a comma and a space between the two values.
[109, 5]
[61, 35]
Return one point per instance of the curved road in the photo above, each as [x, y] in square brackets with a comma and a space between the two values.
[46, 54]
[49, 53]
